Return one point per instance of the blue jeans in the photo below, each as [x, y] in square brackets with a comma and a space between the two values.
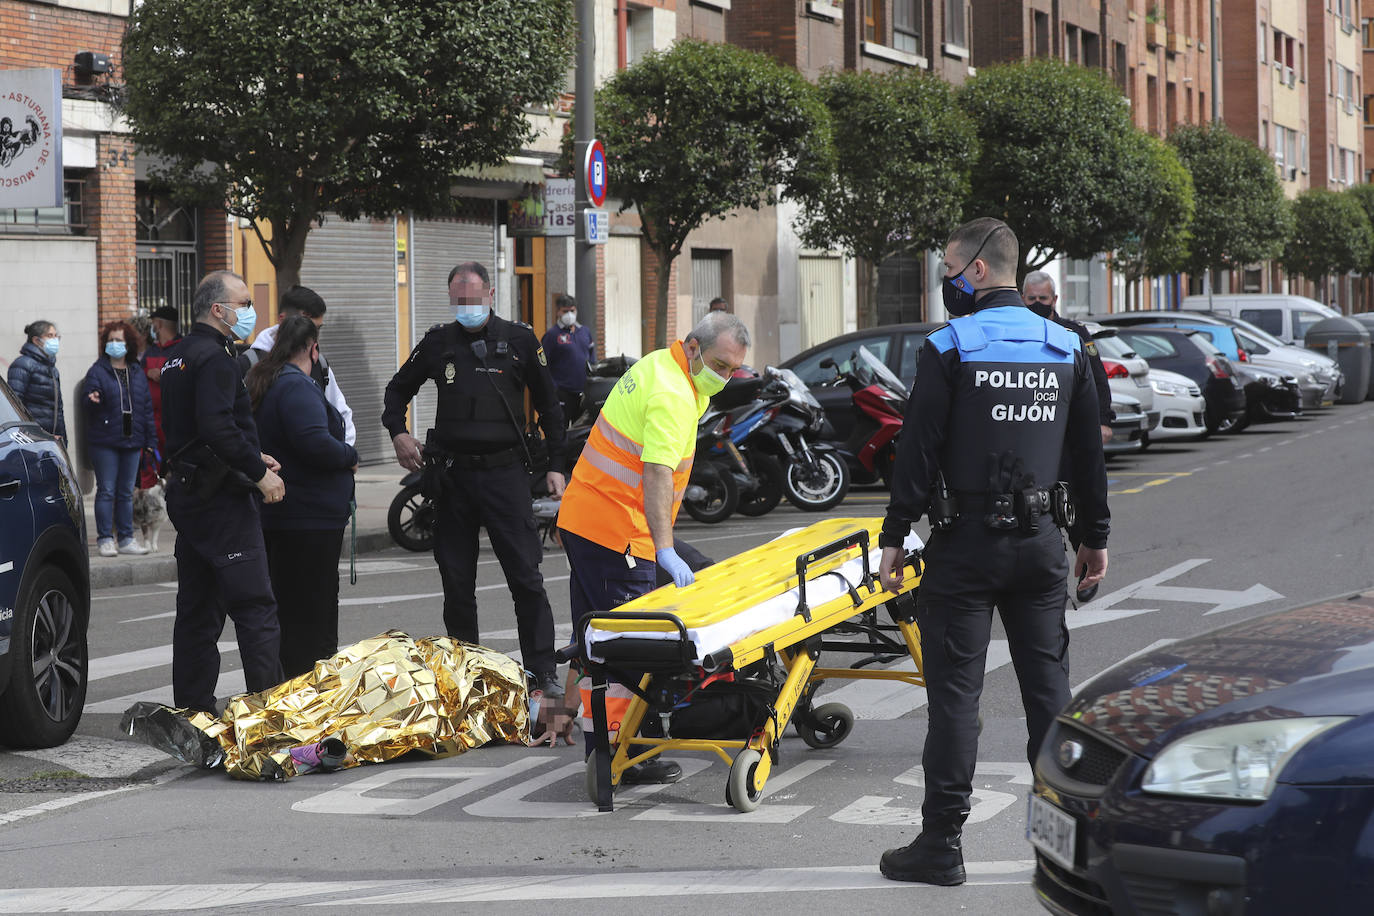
[115, 472]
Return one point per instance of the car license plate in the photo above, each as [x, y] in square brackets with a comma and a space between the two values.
[1051, 831]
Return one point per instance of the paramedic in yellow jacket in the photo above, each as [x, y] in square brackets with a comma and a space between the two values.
[617, 514]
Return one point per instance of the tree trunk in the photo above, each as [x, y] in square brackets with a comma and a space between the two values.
[288, 250]
[868, 297]
[665, 273]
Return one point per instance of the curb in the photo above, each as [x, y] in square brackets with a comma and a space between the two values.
[106, 573]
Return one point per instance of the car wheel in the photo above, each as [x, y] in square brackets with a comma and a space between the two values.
[42, 703]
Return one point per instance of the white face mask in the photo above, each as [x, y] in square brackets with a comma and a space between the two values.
[567, 319]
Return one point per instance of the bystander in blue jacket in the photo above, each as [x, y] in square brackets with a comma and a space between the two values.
[568, 347]
[304, 532]
[119, 426]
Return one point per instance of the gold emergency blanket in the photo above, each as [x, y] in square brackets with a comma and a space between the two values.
[382, 697]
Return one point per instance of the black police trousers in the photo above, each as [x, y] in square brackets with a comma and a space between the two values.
[497, 499]
[970, 569]
[221, 569]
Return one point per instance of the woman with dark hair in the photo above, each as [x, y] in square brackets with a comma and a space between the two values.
[304, 532]
[34, 378]
[119, 426]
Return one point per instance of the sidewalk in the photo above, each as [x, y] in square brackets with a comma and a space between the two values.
[376, 487]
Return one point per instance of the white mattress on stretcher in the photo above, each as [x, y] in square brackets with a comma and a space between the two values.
[713, 637]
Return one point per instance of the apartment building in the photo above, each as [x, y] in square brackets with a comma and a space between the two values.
[1335, 92]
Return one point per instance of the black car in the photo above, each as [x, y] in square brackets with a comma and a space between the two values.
[1190, 354]
[896, 345]
[44, 585]
[1232, 772]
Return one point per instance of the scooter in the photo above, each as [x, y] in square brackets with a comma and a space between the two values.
[786, 427]
[880, 401]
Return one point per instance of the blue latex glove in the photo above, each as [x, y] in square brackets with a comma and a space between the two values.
[675, 567]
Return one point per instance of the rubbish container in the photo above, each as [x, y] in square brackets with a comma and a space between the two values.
[1367, 320]
[1347, 342]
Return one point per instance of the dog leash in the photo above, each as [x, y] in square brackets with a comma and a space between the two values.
[353, 544]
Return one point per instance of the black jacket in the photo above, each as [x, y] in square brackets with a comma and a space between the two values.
[119, 391]
[1105, 414]
[34, 377]
[205, 405]
[305, 433]
[481, 397]
[1002, 380]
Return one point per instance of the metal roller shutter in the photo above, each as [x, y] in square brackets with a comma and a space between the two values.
[353, 266]
[436, 246]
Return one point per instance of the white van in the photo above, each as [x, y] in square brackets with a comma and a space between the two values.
[1286, 317]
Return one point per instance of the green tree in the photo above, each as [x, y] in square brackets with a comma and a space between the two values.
[1160, 246]
[1331, 234]
[874, 204]
[287, 109]
[1242, 216]
[1058, 159]
[1363, 194]
[700, 130]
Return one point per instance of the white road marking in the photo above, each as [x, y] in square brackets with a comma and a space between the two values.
[7, 904]
[231, 683]
[541, 888]
[987, 803]
[1157, 644]
[725, 814]
[138, 660]
[511, 802]
[457, 781]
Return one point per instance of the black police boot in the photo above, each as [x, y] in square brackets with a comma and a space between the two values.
[550, 684]
[655, 771]
[935, 857]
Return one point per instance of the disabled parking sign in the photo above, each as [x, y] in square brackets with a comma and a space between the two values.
[598, 226]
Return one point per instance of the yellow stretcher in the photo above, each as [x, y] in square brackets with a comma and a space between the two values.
[766, 615]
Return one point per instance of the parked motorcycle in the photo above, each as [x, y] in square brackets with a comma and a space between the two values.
[880, 401]
[786, 428]
[411, 517]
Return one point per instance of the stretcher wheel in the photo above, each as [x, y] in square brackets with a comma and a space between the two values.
[739, 790]
[834, 723]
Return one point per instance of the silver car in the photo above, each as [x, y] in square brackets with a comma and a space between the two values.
[1182, 408]
[1127, 372]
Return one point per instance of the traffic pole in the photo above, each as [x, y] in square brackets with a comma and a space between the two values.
[585, 118]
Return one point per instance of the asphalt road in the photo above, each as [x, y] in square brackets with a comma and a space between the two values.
[1204, 534]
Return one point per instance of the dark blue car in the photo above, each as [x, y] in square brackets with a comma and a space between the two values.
[44, 585]
[1232, 772]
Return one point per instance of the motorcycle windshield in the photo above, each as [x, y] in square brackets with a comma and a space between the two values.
[798, 387]
[877, 373]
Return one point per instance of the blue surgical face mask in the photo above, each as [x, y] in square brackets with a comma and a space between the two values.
[51, 345]
[246, 319]
[115, 349]
[472, 317]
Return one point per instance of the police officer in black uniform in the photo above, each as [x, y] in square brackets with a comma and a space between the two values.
[999, 395]
[216, 473]
[476, 458]
[1038, 292]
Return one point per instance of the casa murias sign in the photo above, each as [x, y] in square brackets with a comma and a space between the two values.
[30, 138]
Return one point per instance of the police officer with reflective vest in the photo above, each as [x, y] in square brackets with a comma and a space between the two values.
[1000, 393]
[476, 458]
[214, 467]
[617, 516]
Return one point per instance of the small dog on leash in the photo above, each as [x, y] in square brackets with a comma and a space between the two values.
[150, 510]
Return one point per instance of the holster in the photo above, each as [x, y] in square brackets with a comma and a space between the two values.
[434, 473]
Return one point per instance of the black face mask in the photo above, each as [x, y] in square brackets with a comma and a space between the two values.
[958, 295]
[1043, 309]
